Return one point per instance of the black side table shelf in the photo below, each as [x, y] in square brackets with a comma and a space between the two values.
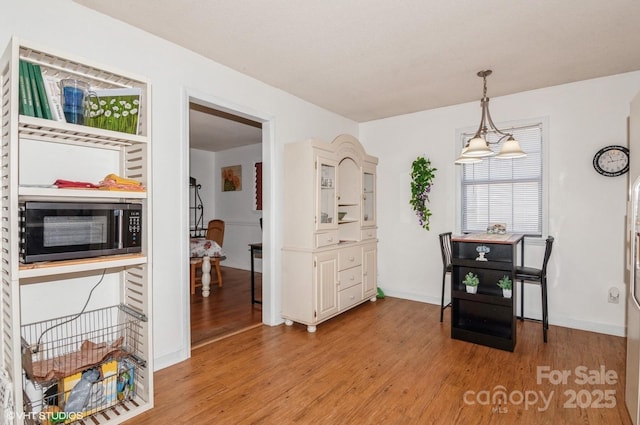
[485, 318]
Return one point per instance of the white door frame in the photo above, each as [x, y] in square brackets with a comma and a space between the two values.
[268, 196]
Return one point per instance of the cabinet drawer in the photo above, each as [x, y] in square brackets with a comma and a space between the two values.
[350, 277]
[349, 297]
[368, 234]
[326, 239]
[349, 257]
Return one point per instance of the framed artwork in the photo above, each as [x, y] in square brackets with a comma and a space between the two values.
[231, 178]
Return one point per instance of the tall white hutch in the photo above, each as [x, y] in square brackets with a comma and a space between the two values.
[33, 150]
[330, 240]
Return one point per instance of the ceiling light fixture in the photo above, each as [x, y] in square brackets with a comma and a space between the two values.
[478, 147]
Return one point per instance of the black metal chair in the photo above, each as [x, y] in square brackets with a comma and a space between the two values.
[445, 248]
[539, 277]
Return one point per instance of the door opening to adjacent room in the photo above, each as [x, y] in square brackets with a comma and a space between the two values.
[221, 143]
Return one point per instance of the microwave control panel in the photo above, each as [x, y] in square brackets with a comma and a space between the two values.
[133, 236]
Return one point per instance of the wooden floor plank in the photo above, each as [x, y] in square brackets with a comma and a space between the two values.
[388, 362]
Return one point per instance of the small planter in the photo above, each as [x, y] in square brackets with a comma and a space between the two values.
[507, 285]
[471, 282]
[471, 289]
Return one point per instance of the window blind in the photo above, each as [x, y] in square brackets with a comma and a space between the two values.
[505, 190]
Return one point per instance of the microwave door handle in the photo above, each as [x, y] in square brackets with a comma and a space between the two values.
[118, 218]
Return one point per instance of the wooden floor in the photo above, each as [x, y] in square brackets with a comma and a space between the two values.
[392, 362]
[227, 310]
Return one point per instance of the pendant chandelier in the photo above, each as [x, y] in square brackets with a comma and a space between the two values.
[478, 147]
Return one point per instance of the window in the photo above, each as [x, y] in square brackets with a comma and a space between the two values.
[506, 191]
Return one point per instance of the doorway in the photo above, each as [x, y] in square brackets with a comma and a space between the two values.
[219, 138]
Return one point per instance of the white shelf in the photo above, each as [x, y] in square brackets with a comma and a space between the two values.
[52, 268]
[73, 134]
[49, 192]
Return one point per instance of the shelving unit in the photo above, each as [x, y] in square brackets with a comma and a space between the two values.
[128, 155]
[329, 264]
[485, 318]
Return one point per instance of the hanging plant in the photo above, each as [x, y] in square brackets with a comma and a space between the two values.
[422, 175]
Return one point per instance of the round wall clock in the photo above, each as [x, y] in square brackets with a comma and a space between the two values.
[611, 161]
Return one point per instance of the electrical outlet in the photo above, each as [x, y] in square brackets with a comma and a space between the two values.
[614, 295]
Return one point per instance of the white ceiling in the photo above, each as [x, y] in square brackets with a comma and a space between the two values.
[210, 132]
[371, 59]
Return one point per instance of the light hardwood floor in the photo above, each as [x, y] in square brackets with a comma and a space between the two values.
[391, 362]
[227, 310]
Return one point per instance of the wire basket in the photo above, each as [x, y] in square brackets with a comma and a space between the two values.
[77, 365]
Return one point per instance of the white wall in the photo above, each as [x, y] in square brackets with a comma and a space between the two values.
[173, 72]
[586, 210]
[237, 209]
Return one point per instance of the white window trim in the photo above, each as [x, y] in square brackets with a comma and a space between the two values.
[545, 173]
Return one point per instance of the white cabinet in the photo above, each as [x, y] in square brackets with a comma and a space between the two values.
[330, 237]
[33, 151]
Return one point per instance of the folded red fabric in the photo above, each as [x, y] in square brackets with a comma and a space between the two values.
[62, 184]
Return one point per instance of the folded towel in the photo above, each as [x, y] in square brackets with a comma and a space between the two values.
[67, 184]
[115, 182]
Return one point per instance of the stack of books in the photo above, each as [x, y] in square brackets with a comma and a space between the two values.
[39, 95]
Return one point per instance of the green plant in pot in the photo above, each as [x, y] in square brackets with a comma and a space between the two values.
[471, 282]
[507, 285]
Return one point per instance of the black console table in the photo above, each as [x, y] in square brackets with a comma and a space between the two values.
[486, 317]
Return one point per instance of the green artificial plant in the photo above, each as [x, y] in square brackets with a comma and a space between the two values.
[505, 282]
[471, 279]
[422, 175]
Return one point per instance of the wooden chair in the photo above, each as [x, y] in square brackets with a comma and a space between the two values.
[215, 232]
[539, 277]
[445, 248]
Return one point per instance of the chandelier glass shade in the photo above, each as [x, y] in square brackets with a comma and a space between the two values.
[478, 147]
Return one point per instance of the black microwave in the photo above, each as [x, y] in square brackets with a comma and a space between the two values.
[52, 231]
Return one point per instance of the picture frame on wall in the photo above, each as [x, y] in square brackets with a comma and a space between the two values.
[231, 178]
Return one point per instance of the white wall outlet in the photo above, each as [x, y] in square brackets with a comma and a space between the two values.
[614, 295]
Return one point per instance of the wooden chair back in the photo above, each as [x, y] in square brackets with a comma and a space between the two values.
[445, 248]
[215, 231]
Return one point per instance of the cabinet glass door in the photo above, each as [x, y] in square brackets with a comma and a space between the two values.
[368, 198]
[326, 214]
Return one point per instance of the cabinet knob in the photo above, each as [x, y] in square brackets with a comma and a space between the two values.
[352, 259]
[330, 239]
[352, 277]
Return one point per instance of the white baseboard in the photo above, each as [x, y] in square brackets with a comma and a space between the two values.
[564, 321]
[169, 359]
